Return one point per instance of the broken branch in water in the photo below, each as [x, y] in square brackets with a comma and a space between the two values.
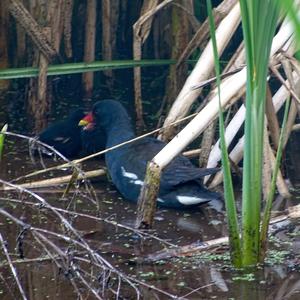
[281, 221]
[56, 180]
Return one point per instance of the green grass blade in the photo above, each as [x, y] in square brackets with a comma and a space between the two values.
[259, 22]
[232, 220]
[271, 193]
[75, 68]
[2, 138]
[292, 11]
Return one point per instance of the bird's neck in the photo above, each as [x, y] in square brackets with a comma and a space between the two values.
[119, 133]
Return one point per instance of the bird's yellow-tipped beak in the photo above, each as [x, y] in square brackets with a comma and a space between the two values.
[83, 122]
[86, 120]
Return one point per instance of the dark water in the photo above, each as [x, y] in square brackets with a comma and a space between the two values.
[49, 266]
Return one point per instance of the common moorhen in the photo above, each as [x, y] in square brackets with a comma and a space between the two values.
[94, 140]
[180, 184]
[64, 135]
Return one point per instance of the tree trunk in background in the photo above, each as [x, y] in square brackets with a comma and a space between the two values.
[68, 13]
[21, 46]
[107, 47]
[42, 106]
[37, 94]
[180, 39]
[141, 31]
[89, 46]
[55, 20]
[206, 144]
[4, 84]
[21, 51]
[50, 15]
[110, 17]
[22, 16]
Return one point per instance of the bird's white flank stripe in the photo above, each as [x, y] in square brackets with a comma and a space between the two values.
[133, 177]
[187, 200]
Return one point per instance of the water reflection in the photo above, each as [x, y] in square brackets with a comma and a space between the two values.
[43, 277]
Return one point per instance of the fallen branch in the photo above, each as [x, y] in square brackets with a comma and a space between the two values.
[236, 153]
[55, 181]
[87, 175]
[202, 70]
[202, 33]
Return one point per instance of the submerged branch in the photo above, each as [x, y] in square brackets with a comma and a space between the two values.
[281, 221]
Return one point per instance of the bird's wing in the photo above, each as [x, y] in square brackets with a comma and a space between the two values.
[179, 174]
[180, 170]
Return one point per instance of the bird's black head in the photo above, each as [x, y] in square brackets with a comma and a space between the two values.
[109, 112]
[106, 114]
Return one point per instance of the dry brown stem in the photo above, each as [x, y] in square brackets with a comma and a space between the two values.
[23, 17]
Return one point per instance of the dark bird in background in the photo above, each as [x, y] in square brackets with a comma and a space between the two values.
[180, 185]
[64, 135]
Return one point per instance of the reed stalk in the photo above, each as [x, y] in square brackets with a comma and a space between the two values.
[232, 220]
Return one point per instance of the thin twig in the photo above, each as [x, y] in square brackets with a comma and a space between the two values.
[106, 220]
[12, 268]
[94, 257]
[197, 289]
[281, 79]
